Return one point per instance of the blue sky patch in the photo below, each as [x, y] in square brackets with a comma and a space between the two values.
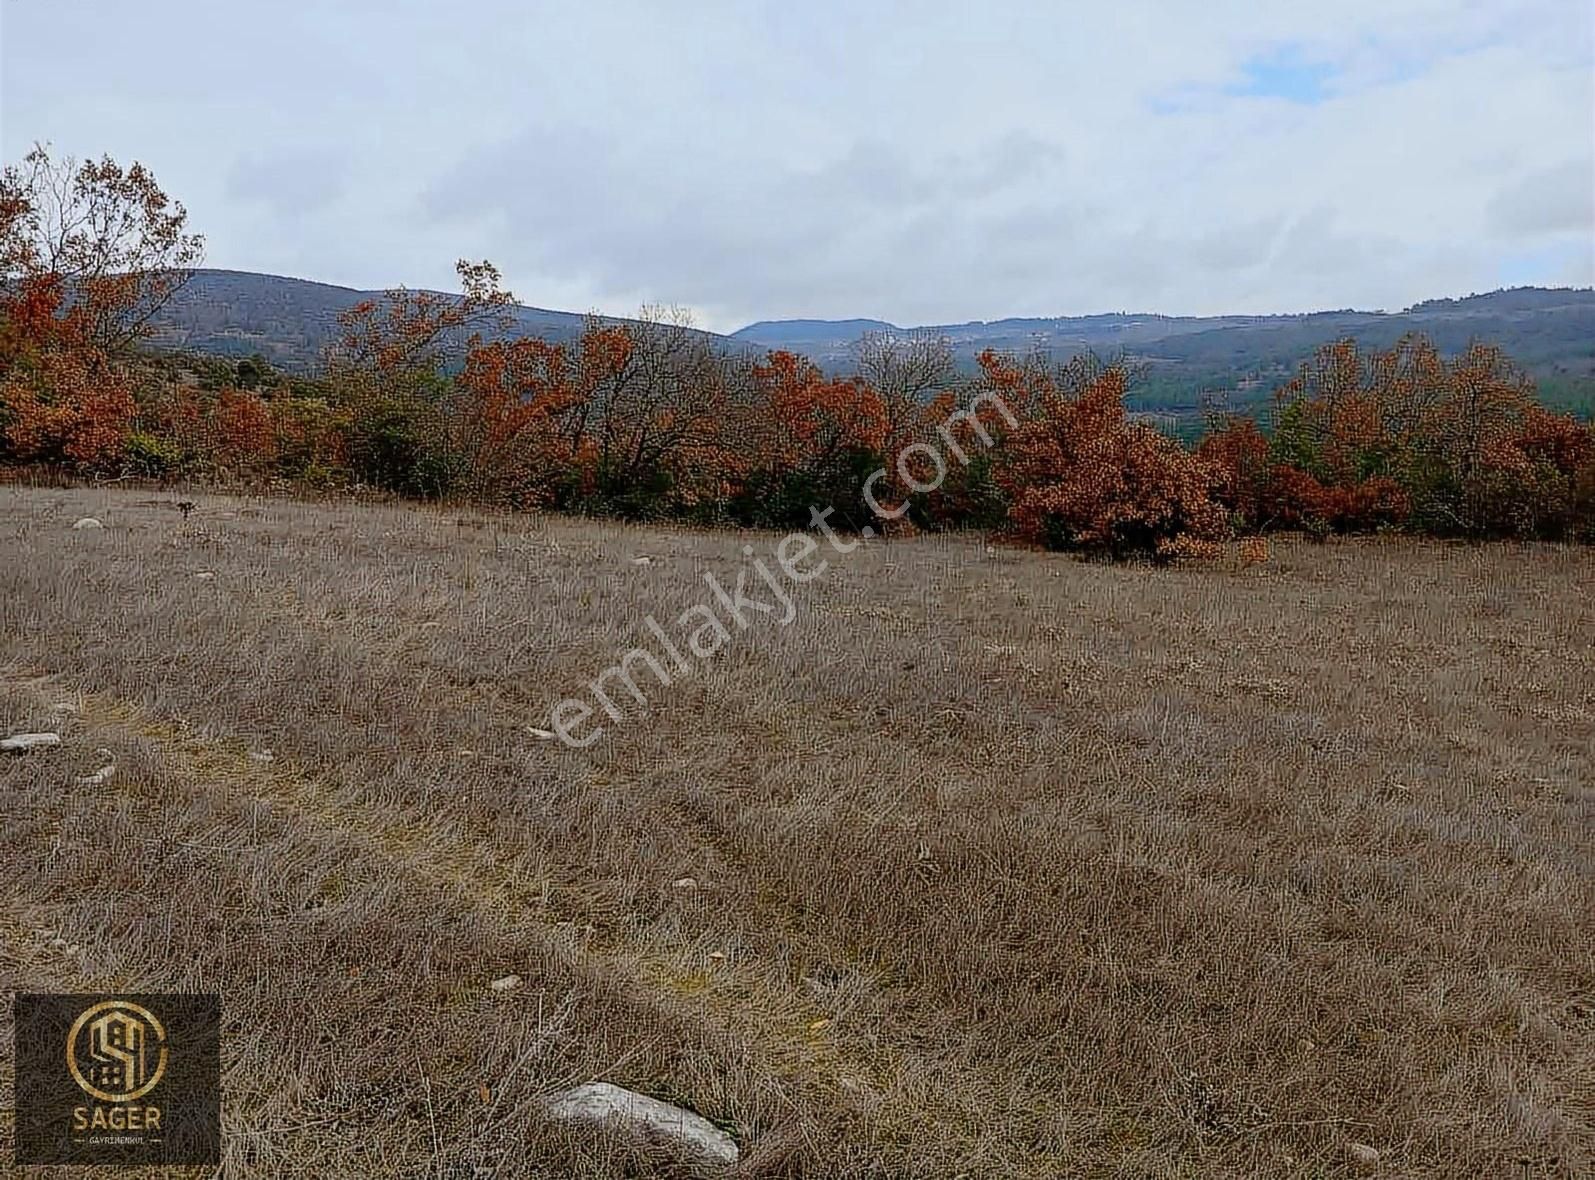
[1285, 73]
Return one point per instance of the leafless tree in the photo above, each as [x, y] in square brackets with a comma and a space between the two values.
[661, 401]
[907, 370]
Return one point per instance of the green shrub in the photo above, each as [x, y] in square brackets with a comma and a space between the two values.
[152, 457]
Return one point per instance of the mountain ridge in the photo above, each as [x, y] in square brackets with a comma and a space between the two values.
[289, 320]
[1523, 298]
[1181, 361]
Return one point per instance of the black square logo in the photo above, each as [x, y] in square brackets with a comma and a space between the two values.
[118, 1079]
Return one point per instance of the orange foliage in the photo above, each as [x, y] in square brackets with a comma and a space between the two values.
[311, 437]
[106, 234]
[428, 395]
[503, 419]
[245, 436]
[1382, 439]
[1253, 551]
[1082, 476]
[67, 406]
[1239, 453]
[30, 319]
[110, 238]
[811, 417]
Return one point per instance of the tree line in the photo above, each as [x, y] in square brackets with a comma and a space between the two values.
[429, 396]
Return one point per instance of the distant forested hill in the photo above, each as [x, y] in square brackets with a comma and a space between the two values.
[1180, 360]
[1551, 333]
[290, 321]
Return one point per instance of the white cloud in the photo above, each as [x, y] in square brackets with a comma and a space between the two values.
[917, 162]
[1553, 200]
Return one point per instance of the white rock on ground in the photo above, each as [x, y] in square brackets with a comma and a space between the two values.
[21, 743]
[87, 522]
[597, 1103]
[99, 777]
[1363, 1158]
[508, 983]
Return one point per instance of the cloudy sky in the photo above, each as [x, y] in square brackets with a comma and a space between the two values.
[919, 162]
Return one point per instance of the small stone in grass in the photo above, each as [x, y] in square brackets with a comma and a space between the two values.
[87, 522]
[1363, 1158]
[262, 756]
[99, 777]
[507, 983]
[21, 743]
[685, 883]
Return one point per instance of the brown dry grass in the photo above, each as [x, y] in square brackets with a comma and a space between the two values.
[1019, 866]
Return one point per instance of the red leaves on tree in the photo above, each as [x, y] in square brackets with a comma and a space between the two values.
[245, 435]
[1083, 476]
[66, 407]
[814, 418]
[427, 394]
[1403, 436]
[504, 416]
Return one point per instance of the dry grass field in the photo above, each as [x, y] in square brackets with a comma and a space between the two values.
[1001, 864]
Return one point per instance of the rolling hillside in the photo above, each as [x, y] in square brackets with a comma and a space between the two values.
[1180, 360]
[289, 321]
[1550, 332]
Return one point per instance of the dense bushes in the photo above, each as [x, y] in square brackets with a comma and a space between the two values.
[427, 395]
[65, 406]
[650, 420]
[1080, 475]
[1406, 438]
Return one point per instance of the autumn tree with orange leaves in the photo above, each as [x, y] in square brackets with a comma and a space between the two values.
[1082, 476]
[104, 242]
[503, 421]
[389, 364]
[1406, 437]
[808, 441]
[89, 253]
